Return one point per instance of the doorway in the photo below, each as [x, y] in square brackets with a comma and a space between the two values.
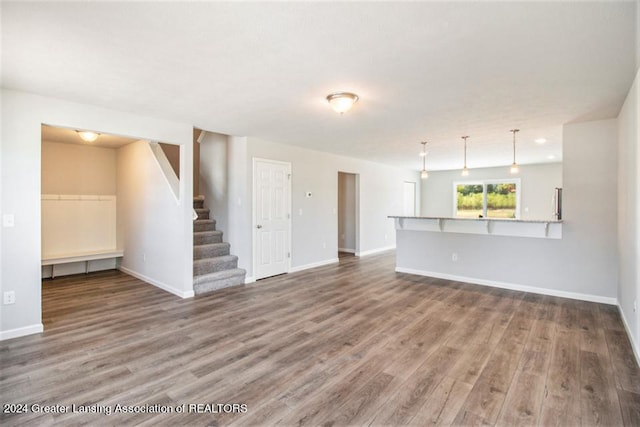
[348, 229]
[78, 201]
[271, 217]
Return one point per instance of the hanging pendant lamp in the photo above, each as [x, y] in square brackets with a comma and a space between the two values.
[424, 174]
[514, 166]
[465, 170]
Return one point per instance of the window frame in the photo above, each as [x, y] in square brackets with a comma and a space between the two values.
[484, 183]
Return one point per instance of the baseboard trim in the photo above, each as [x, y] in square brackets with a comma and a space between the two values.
[347, 250]
[375, 251]
[634, 345]
[21, 332]
[512, 286]
[248, 280]
[313, 265]
[156, 283]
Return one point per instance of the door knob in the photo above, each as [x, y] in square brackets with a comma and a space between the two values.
[258, 226]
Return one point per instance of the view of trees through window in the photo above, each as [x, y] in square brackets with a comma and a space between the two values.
[488, 200]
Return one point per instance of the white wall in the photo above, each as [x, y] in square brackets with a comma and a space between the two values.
[629, 211]
[239, 229]
[22, 116]
[347, 212]
[149, 221]
[213, 177]
[315, 231]
[537, 188]
[583, 263]
[78, 169]
[637, 35]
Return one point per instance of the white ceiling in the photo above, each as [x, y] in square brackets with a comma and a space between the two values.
[423, 70]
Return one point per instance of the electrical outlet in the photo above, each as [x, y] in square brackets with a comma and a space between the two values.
[324, 245]
[144, 257]
[9, 297]
[385, 237]
[454, 257]
[635, 305]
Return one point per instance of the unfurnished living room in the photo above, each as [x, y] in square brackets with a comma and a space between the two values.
[320, 213]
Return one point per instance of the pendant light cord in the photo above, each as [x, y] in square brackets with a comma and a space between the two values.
[465, 151]
[514, 144]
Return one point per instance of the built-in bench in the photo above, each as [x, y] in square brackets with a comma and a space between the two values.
[85, 257]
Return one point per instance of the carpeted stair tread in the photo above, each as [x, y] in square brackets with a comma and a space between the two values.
[219, 280]
[204, 225]
[198, 202]
[207, 237]
[203, 213]
[212, 265]
[211, 250]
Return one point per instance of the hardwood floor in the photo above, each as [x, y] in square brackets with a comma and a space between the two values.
[347, 344]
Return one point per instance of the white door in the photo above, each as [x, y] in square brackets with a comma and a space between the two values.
[271, 219]
[409, 199]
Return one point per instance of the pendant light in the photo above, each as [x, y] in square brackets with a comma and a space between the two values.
[514, 166]
[424, 174]
[465, 170]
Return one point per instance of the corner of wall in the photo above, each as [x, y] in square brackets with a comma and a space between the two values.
[628, 204]
[239, 202]
[637, 35]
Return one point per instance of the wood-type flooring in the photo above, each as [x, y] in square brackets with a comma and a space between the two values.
[353, 343]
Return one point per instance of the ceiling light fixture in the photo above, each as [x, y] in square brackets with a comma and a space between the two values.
[465, 170]
[88, 136]
[540, 140]
[342, 101]
[514, 166]
[424, 174]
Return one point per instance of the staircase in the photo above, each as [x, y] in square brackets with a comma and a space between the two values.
[213, 267]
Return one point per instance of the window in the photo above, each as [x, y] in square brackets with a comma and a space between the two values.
[487, 199]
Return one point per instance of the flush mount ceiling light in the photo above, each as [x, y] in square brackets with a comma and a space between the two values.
[540, 140]
[88, 136]
[424, 174]
[514, 166]
[465, 170]
[342, 101]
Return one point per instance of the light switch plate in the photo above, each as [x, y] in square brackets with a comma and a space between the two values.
[8, 220]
